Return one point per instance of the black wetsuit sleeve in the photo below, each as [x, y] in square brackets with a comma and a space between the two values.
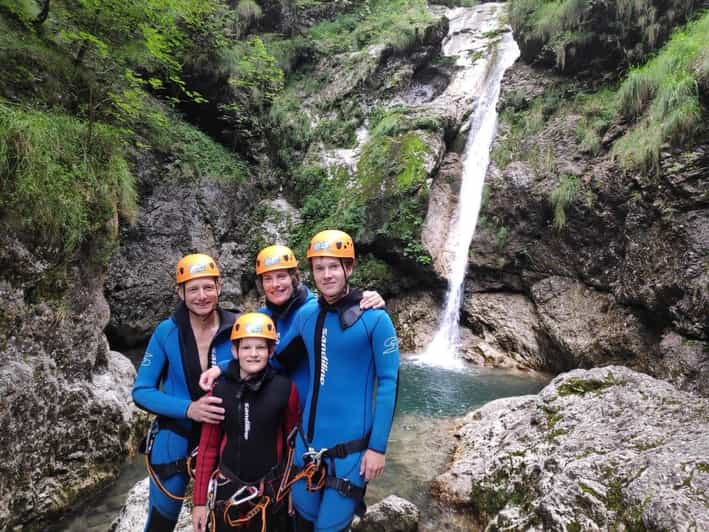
[293, 354]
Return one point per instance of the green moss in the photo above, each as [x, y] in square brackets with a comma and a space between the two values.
[573, 526]
[588, 489]
[703, 467]
[486, 500]
[614, 495]
[501, 238]
[62, 178]
[584, 386]
[197, 155]
[395, 163]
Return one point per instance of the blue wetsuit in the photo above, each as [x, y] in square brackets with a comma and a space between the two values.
[290, 354]
[349, 352]
[166, 384]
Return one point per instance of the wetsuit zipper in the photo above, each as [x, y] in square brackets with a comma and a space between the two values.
[240, 424]
[316, 374]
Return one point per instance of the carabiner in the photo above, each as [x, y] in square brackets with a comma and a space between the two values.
[253, 493]
[212, 492]
[314, 456]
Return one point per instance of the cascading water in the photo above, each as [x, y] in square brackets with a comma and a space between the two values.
[469, 29]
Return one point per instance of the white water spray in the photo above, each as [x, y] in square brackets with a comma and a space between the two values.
[484, 78]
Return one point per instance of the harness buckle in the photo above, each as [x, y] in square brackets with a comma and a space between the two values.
[344, 487]
[150, 436]
[252, 493]
[314, 457]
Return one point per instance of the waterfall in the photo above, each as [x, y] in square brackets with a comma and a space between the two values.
[482, 76]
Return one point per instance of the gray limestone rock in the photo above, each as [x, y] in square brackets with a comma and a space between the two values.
[508, 329]
[65, 405]
[628, 268]
[198, 216]
[415, 318]
[607, 448]
[393, 514]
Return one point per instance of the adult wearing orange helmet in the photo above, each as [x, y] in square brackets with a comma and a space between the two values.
[194, 338]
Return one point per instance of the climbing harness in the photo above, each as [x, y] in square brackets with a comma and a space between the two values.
[249, 500]
[185, 466]
[319, 468]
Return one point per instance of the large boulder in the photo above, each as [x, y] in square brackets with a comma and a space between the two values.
[607, 448]
[392, 514]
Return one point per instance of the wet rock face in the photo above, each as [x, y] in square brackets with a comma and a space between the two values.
[595, 450]
[624, 272]
[65, 406]
[507, 330]
[614, 34]
[177, 216]
[415, 317]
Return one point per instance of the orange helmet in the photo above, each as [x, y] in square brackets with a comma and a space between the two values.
[195, 266]
[253, 325]
[331, 243]
[275, 258]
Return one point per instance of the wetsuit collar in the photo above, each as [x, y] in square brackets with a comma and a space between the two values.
[297, 298]
[253, 382]
[188, 345]
[347, 307]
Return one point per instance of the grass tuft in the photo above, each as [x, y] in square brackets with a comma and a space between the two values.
[663, 98]
[561, 197]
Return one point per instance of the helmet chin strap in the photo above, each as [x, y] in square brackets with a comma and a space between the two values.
[347, 279]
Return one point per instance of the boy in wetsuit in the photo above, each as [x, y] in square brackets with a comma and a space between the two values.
[195, 337]
[351, 354]
[261, 410]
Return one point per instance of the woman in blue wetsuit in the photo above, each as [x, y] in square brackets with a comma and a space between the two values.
[195, 337]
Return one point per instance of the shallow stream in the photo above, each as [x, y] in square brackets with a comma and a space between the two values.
[430, 401]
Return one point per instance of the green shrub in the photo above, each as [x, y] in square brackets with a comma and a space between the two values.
[62, 179]
[199, 156]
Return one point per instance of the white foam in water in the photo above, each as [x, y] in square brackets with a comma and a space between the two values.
[483, 76]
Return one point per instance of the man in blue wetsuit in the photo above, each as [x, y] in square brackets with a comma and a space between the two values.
[195, 337]
[351, 354]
